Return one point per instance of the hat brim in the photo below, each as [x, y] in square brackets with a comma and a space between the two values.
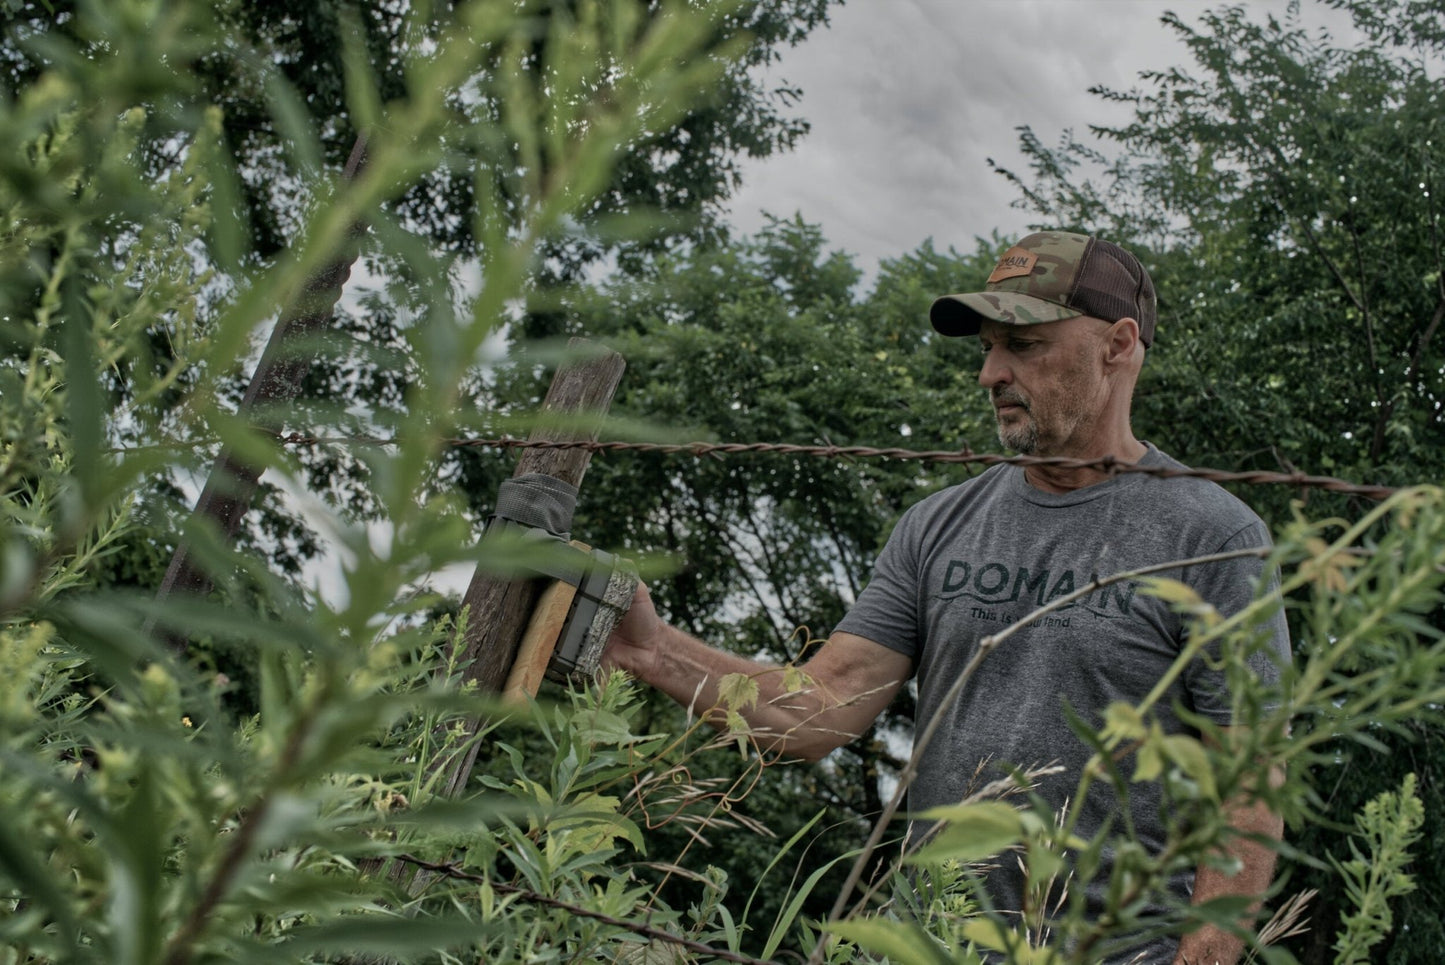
[958, 315]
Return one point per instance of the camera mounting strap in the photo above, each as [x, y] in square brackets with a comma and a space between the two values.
[539, 507]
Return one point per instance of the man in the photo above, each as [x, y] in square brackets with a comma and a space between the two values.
[1063, 322]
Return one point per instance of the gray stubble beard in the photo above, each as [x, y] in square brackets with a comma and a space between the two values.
[1023, 440]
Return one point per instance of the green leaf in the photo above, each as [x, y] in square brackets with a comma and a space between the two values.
[970, 832]
[139, 853]
[294, 122]
[1148, 761]
[380, 935]
[902, 942]
[738, 691]
[990, 934]
[1123, 721]
[1191, 757]
[361, 87]
[789, 914]
[83, 397]
[1182, 595]
[593, 823]
[30, 875]
[778, 856]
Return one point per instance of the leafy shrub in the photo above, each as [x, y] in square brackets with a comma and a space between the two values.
[147, 815]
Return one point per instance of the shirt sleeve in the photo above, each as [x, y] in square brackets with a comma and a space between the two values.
[888, 609]
[1230, 586]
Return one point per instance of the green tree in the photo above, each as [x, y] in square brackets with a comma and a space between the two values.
[284, 80]
[299, 53]
[284, 83]
[140, 821]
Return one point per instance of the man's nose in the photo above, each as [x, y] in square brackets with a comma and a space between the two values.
[994, 371]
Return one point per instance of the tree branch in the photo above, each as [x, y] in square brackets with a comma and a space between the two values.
[646, 931]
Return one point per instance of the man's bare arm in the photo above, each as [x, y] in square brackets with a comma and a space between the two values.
[1256, 859]
[849, 682]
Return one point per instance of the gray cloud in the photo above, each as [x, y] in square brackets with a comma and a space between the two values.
[908, 98]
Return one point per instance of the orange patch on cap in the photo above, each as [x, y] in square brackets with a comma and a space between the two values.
[1015, 262]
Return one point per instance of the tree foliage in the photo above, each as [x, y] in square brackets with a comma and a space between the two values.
[283, 71]
[284, 80]
[144, 822]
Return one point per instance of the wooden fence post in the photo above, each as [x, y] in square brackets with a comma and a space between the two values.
[499, 608]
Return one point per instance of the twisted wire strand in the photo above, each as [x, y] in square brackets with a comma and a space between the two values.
[1107, 464]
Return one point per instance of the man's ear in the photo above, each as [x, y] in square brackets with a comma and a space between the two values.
[1122, 341]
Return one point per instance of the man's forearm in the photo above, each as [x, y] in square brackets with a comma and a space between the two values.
[1255, 860]
[691, 672]
[836, 695]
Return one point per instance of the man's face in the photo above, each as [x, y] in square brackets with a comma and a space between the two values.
[1046, 383]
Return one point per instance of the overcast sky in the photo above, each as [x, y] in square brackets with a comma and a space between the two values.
[909, 98]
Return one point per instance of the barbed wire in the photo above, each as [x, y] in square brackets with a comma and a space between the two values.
[1108, 464]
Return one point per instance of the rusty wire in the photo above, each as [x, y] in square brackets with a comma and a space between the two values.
[1108, 464]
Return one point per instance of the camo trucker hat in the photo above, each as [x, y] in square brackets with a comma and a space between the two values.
[1050, 276]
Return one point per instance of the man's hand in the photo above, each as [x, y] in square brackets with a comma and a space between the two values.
[635, 640]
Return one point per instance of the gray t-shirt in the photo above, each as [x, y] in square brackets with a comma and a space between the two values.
[970, 560]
